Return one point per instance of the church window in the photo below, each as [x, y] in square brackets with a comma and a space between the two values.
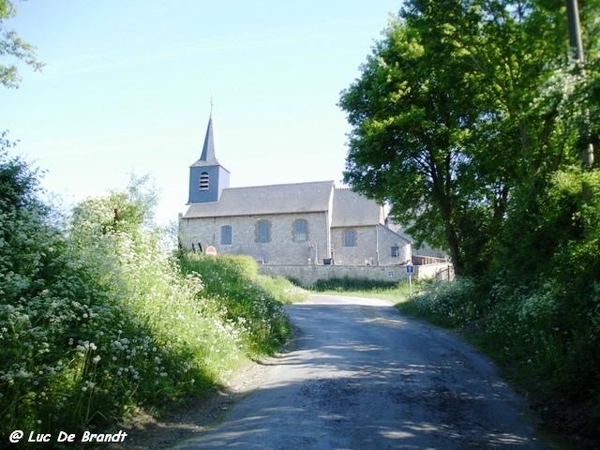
[395, 251]
[300, 230]
[263, 231]
[349, 238]
[226, 235]
[204, 179]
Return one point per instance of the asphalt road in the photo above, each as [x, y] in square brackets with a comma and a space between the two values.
[360, 376]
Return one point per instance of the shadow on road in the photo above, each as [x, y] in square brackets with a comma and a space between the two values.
[360, 376]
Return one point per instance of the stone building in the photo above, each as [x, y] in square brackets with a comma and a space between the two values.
[286, 224]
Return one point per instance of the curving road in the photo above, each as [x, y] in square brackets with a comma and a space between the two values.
[360, 376]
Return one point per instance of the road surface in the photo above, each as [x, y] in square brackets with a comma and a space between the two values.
[360, 376]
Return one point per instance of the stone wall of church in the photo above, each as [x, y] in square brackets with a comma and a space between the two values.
[372, 246]
[393, 249]
[284, 246]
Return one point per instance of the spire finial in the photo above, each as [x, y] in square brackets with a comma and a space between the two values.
[211, 106]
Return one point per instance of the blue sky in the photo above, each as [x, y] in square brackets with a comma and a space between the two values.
[128, 84]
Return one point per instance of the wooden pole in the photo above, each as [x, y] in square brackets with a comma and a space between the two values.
[576, 52]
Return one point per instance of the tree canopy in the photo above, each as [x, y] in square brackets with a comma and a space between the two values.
[473, 120]
[447, 120]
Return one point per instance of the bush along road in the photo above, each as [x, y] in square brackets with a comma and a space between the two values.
[360, 376]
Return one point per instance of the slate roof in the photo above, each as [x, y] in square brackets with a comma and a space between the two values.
[272, 199]
[351, 209]
[207, 157]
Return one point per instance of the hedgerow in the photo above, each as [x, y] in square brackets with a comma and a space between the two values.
[446, 304]
[97, 319]
[538, 314]
[351, 284]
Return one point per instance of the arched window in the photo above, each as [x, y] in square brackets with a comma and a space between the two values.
[204, 180]
[300, 231]
[226, 235]
[263, 231]
[349, 238]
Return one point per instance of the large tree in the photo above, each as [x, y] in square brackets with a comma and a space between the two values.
[442, 128]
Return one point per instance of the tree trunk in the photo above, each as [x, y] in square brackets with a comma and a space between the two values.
[442, 195]
[453, 244]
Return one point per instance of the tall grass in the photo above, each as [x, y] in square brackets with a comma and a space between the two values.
[395, 292]
[347, 284]
[445, 304]
[101, 320]
[232, 292]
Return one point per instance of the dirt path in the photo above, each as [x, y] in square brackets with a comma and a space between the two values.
[359, 376]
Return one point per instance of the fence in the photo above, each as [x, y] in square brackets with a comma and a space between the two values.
[446, 274]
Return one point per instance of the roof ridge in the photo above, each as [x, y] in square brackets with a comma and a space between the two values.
[282, 184]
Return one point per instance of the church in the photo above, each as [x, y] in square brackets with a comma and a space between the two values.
[311, 223]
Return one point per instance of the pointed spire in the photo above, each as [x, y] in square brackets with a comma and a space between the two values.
[208, 150]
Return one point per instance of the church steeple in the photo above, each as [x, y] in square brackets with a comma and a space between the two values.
[208, 150]
[207, 177]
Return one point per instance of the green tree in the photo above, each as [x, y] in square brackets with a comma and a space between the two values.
[127, 210]
[12, 46]
[567, 108]
[440, 117]
[484, 93]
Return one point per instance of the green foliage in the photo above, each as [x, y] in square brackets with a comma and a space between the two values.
[12, 45]
[446, 304]
[100, 321]
[18, 182]
[441, 118]
[469, 119]
[559, 301]
[549, 343]
[96, 327]
[282, 289]
[231, 291]
[351, 284]
[394, 292]
[540, 316]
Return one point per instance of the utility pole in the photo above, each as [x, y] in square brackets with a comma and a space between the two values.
[576, 52]
[575, 42]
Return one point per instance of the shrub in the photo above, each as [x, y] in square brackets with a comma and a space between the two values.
[544, 315]
[351, 284]
[97, 325]
[100, 321]
[448, 304]
[230, 290]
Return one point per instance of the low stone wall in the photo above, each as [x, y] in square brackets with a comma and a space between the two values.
[438, 271]
[308, 275]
